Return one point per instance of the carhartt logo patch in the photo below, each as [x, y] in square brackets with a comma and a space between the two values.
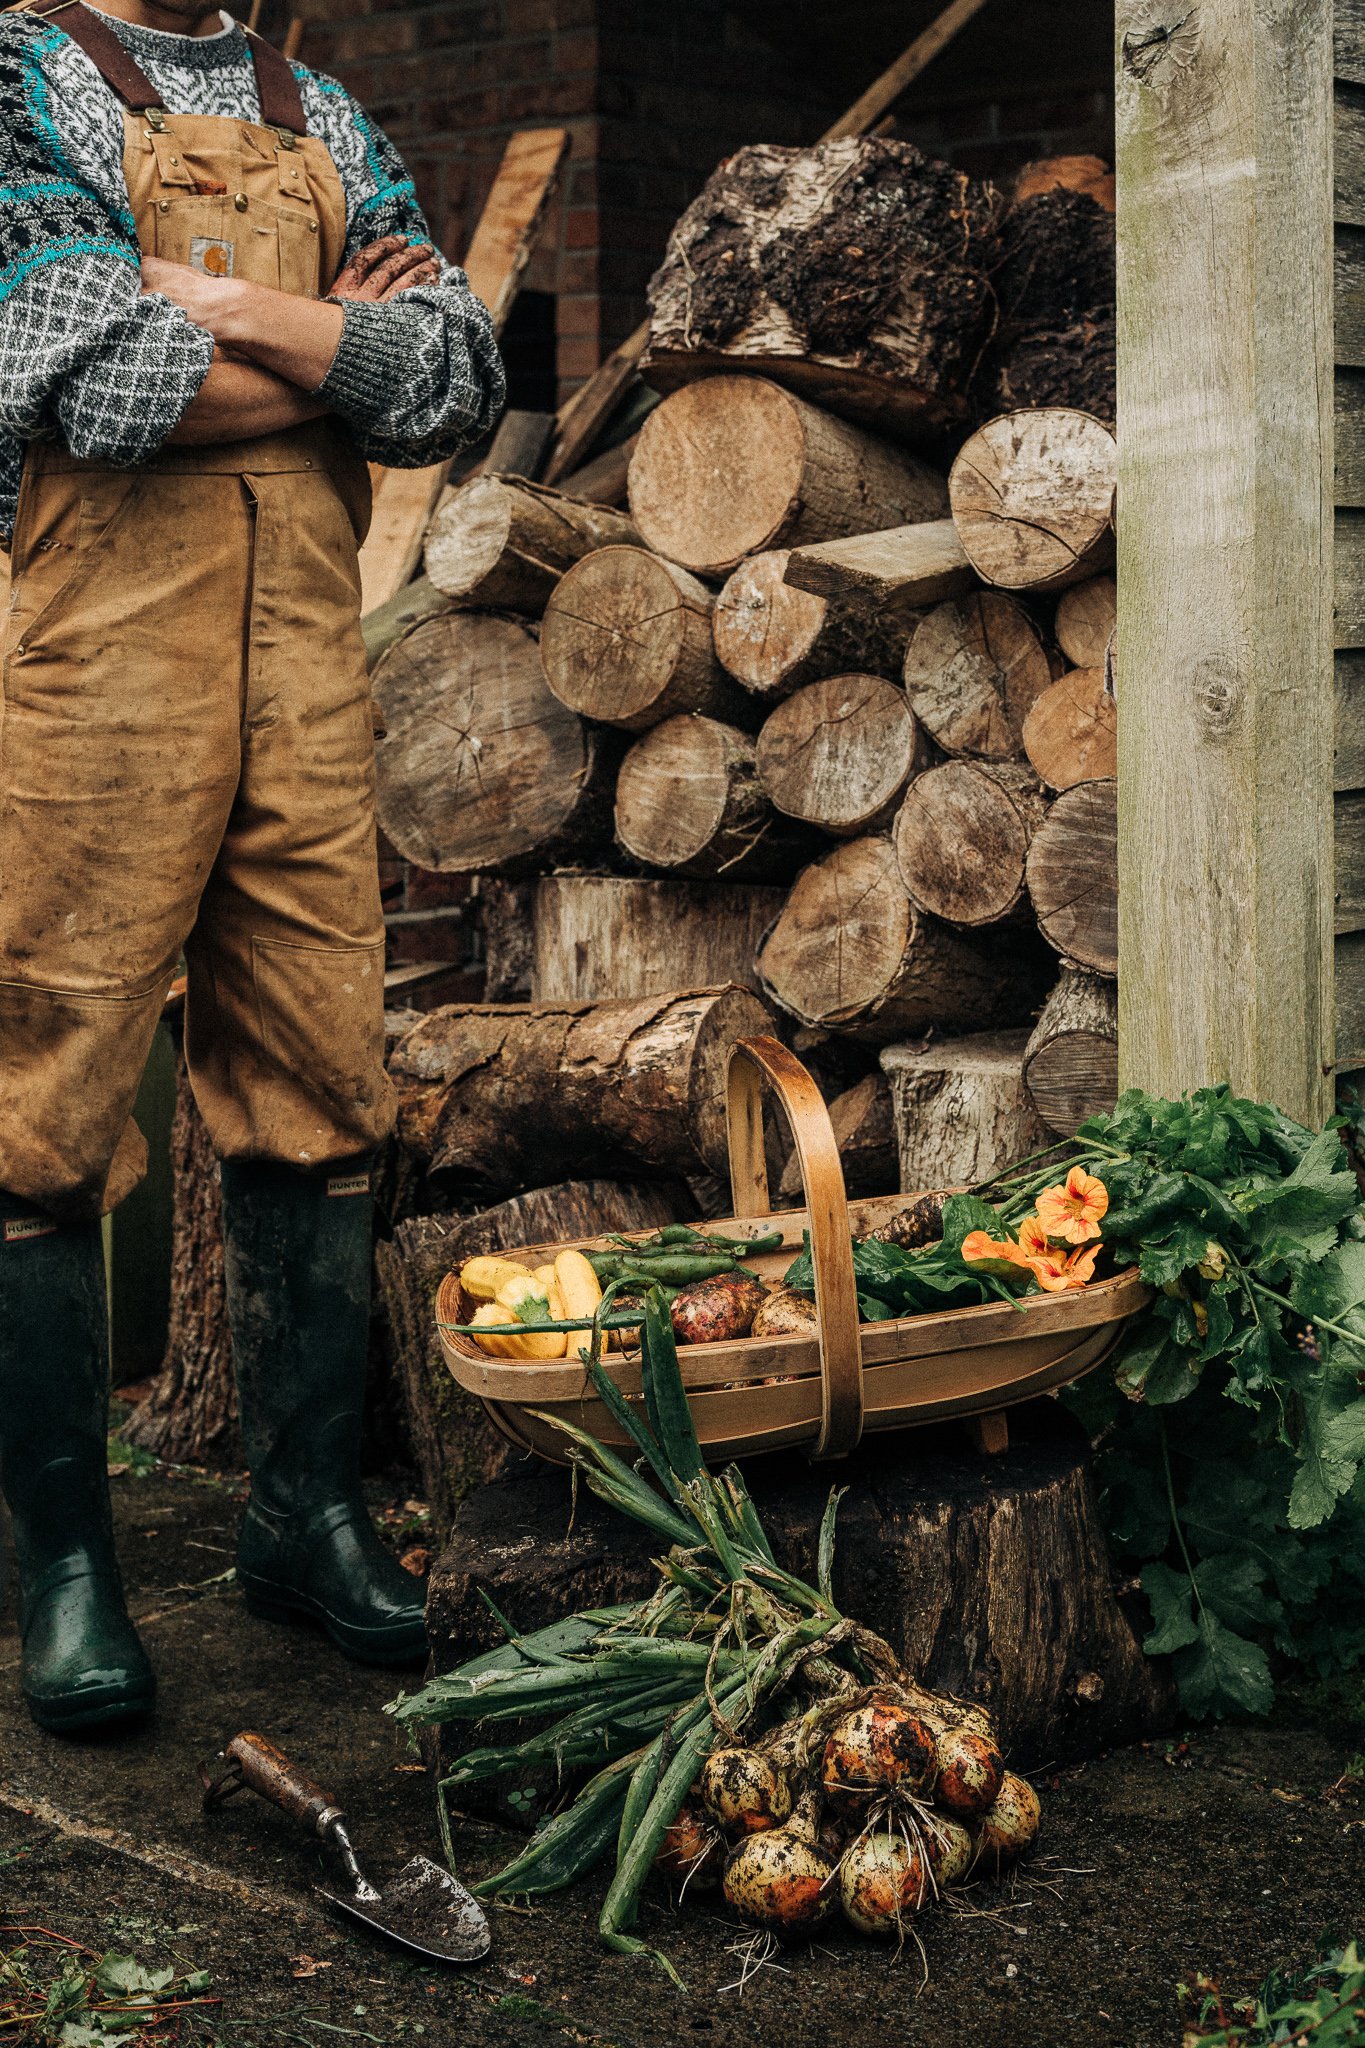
[212, 257]
[19, 1229]
[349, 1184]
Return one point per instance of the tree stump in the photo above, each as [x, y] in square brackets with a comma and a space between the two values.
[455, 1445]
[190, 1413]
[962, 1112]
[988, 1574]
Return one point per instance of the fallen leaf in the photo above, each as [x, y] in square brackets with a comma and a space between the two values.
[307, 1966]
[416, 1560]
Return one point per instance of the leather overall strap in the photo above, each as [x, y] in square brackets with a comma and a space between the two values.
[276, 85]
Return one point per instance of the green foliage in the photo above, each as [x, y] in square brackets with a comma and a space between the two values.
[896, 1282]
[89, 2000]
[1230, 1434]
[1320, 2007]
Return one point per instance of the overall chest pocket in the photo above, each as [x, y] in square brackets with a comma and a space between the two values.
[264, 244]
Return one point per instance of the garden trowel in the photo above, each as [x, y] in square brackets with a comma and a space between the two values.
[423, 1906]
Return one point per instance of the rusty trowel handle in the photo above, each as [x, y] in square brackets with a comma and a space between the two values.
[258, 1764]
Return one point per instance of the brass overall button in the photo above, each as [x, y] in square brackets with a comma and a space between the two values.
[241, 202]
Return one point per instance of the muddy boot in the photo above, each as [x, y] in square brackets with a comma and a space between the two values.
[298, 1287]
[83, 1666]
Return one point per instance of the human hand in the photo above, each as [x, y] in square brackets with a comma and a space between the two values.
[213, 303]
[383, 269]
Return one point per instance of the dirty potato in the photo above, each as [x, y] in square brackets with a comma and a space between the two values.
[787, 1313]
[716, 1311]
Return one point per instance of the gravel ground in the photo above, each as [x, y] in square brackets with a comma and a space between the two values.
[1224, 1854]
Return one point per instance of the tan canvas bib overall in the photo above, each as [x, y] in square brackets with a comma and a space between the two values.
[186, 752]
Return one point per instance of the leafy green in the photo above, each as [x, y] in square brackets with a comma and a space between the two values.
[895, 1282]
[1230, 1434]
[1320, 2007]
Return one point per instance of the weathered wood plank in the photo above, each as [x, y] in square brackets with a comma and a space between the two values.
[1348, 629]
[1349, 153]
[1349, 437]
[902, 565]
[1350, 982]
[1349, 770]
[1348, 833]
[1348, 40]
[1349, 295]
[1225, 746]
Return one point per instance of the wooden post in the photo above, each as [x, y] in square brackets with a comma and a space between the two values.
[1224, 161]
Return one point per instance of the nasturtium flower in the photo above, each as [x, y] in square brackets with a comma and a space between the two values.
[1057, 1271]
[979, 1244]
[1073, 1210]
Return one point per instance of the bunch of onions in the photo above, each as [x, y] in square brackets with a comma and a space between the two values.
[735, 1725]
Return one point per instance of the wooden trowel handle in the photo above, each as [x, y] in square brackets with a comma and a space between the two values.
[267, 1770]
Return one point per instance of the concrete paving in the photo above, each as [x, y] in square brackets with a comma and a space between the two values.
[1224, 1856]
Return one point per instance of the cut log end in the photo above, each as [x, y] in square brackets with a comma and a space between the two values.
[962, 1115]
[1071, 733]
[626, 641]
[1071, 1065]
[501, 542]
[973, 670]
[1073, 876]
[1032, 496]
[688, 800]
[735, 466]
[840, 752]
[1085, 620]
[773, 637]
[850, 953]
[962, 838]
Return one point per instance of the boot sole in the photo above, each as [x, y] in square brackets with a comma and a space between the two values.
[97, 1710]
[272, 1605]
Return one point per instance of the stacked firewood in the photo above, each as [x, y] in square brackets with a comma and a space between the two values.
[822, 704]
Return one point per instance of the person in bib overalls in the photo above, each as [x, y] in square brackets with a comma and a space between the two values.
[217, 300]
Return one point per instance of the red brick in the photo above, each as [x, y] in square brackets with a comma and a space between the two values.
[440, 934]
[576, 51]
[577, 357]
[576, 315]
[580, 227]
[552, 99]
[381, 36]
[581, 184]
[576, 272]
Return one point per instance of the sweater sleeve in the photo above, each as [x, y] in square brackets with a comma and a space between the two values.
[84, 356]
[419, 377]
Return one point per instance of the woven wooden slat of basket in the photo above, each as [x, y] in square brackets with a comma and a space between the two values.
[822, 1391]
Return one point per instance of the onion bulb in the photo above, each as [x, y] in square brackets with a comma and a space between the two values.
[970, 1772]
[744, 1791]
[1009, 1826]
[779, 1879]
[880, 1747]
[690, 1852]
[881, 1883]
[948, 1849]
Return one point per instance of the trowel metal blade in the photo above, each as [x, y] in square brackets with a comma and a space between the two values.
[424, 1908]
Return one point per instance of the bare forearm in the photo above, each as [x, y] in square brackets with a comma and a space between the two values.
[238, 401]
[292, 337]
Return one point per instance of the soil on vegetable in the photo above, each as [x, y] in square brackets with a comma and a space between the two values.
[1226, 1852]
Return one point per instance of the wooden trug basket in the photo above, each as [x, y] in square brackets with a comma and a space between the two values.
[817, 1391]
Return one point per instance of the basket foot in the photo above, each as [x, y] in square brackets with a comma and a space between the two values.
[990, 1432]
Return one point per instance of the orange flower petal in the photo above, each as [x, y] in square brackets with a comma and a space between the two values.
[979, 1244]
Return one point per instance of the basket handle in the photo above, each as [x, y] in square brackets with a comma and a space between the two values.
[822, 1176]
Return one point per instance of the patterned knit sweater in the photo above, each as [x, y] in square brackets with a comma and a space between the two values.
[87, 359]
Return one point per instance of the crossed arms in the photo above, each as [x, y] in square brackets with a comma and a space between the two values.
[273, 349]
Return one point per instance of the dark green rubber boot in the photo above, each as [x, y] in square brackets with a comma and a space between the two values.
[83, 1666]
[298, 1251]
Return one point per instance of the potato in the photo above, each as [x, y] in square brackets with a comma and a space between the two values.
[788, 1313]
[714, 1311]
